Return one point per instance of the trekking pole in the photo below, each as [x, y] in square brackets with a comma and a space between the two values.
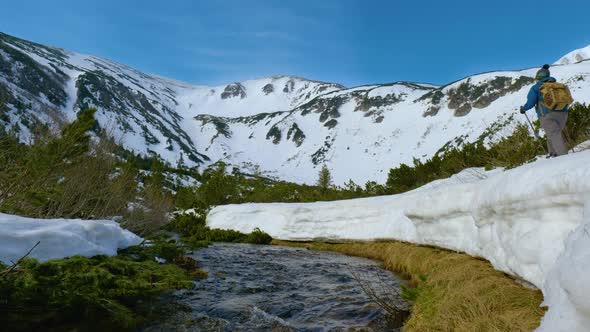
[569, 140]
[532, 127]
[535, 132]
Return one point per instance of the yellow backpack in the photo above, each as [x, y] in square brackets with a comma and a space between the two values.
[556, 96]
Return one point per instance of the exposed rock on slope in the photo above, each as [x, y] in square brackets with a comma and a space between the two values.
[285, 126]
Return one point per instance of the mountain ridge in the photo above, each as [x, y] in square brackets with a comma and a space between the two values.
[282, 125]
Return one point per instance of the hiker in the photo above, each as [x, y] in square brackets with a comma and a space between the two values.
[551, 100]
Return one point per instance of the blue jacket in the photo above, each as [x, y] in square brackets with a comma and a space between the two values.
[534, 97]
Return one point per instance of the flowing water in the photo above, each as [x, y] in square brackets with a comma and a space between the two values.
[273, 288]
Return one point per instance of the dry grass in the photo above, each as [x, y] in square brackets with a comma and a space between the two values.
[455, 292]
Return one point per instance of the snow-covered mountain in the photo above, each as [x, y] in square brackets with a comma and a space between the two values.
[146, 112]
[575, 56]
[360, 133]
[282, 126]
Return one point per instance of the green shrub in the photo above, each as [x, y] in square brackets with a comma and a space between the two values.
[71, 176]
[511, 151]
[194, 244]
[577, 129]
[97, 293]
[222, 235]
[197, 234]
[258, 237]
[94, 294]
[188, 224]
[148, 251]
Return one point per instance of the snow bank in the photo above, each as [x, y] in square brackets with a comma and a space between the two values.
[60, 238]
[567, 290]
[519, 220]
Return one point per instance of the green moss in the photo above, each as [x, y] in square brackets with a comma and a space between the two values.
[156, 247]
[96, 293]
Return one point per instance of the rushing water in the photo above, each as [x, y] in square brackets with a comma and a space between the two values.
[273, 288]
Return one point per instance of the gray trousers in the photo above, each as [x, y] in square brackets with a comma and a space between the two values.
[553, 124]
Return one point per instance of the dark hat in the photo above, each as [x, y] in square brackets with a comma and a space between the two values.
[543, 73]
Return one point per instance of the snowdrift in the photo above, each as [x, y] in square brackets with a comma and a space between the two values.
[60, 238]
[531, 221]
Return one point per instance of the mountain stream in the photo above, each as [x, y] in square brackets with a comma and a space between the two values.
[275, 288]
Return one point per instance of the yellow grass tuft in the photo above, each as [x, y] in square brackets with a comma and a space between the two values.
[455, 292]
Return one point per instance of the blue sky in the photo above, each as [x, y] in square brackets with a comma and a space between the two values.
[352, 42]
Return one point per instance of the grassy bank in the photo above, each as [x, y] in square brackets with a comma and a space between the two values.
[453, 291]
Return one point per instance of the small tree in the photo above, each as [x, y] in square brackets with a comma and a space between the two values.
[180, 163]
[324, 178]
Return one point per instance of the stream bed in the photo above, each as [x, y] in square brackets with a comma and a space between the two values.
[275, 288]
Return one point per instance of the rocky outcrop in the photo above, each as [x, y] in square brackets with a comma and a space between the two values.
[234, 90]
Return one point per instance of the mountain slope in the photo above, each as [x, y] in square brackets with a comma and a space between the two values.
[49, 85]
[575, 56]
[360, 133]
[281, 126]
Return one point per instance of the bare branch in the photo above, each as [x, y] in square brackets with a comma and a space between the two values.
[15, 265]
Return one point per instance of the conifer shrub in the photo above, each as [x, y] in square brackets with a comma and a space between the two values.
[257, 236]
[196, 233]
[93, 294]
[577, 129]
[72, 175]
[516, 149]
[64, 176]
[156, 247]
[510, 151]
[324, 178]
